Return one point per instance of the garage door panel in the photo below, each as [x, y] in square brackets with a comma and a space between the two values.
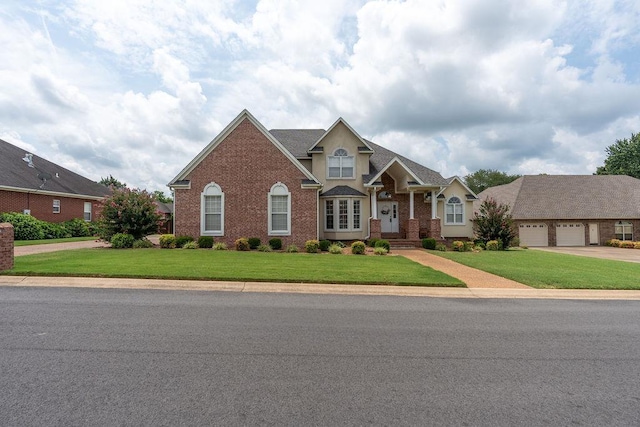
[533, 234]
[570, 234]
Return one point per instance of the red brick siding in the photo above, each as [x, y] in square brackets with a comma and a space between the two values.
[41, 206]
[6, 246]
[246, 165]
[606, 228]
[421, 210]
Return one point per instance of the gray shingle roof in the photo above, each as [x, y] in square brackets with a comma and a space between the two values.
[16, 173]
[342, 190]
[298, 142]
[569, 197]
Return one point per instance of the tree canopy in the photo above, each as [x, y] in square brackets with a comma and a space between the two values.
[129, 211]
[110, 181]
[485, 178]
[623, 158]
[161, 197]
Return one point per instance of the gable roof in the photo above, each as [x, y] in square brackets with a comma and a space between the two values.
[17, 175]
[344, 122]
[470, 195]
[342, 190]
[180, 179]
[569, 197]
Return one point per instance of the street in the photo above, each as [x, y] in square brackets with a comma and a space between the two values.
[149, 357]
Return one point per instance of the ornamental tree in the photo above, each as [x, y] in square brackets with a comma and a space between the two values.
[129, 211]
[623, 158]
[494, 222]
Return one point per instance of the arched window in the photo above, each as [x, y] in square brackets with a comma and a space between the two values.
[279, 210]
[454, 211]
[341, 164]
[212, 211]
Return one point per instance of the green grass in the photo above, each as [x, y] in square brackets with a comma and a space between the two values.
[49, 241]
[551, 270]
[232, 266]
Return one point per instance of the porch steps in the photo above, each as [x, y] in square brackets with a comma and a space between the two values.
[404, 244]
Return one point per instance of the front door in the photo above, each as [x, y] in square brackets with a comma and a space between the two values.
[388, 214]
[594, 234]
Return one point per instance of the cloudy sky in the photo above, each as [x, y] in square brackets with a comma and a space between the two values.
[136, 88]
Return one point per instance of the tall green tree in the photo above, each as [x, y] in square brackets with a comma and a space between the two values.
[129, 211]
[161, 197]
[110, 181]
[623, 158]
[485, 178]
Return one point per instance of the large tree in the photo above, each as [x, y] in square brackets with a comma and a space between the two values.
[161, 197]
[623, 158]
[110, 181]
[485, 178]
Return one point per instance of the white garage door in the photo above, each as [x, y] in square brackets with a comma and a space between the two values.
[533, 235]
[570, 234]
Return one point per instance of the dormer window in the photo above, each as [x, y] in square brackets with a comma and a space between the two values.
[341, 164]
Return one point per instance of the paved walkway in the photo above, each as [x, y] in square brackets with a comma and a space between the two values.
[55, 247]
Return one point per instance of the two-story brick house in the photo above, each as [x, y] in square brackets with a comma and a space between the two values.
[301, 184]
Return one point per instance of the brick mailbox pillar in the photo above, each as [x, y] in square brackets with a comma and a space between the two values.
[6, 246]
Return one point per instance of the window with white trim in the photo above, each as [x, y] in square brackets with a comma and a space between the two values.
[279, 210]
[341, 164]
[87, 211]
[454, 211]
[212, 211]
[56, 206]
[356, 215]
[624, 230]
[345, 213]
[328, 214]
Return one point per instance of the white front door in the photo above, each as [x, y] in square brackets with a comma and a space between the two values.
[388, 214]
[594, 234]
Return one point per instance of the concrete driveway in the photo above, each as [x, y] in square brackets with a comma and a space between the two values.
[604, 252]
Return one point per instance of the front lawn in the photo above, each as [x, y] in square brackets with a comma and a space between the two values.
[50, 241]
[552, 270]
[232, 266]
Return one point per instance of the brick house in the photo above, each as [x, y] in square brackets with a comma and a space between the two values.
[571, 210]
[301, 184]
[47, 191]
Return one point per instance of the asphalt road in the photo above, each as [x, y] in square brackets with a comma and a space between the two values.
[141, 357]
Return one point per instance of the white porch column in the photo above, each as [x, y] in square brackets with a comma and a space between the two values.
[434, 205]
[411, 204]
[374, 204]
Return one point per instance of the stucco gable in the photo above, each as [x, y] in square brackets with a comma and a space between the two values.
[360, 142]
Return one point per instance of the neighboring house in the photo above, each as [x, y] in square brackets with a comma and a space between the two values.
[301, 184]
[571, 210]
[33, 185]
[165, 210]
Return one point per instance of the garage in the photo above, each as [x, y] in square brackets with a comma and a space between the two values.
[570, 234]
[534, 234]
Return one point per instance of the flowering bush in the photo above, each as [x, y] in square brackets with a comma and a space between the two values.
[627, 244]
[494, 222]
[129, 211]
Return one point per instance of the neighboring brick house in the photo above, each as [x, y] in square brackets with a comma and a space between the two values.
[571, 210]
[31, 184]
[301, 184]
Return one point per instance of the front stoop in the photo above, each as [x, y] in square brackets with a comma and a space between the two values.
[404, 243]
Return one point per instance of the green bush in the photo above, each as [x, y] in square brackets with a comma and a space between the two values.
[312, 246]
[77, 227]
[167, 241]
[122, 241]
[25, 227]
[493, 245]
[335, 249]
[142, 244]
[441, 247]
[468, 246]
[54, 231]
[265, 248]
[242, 244]
[379, 251]
[358, 248]
[190, 245]
[429, 243]
[275, 243]
[457, 246]
[182, 240]
[515, 242]
[614, 243]
[220, 246]
[372, 242]
[205, 242]
[383, 244]
[292, 249]
[254, 242]
[324, 245]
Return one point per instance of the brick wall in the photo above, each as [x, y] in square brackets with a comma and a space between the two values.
[41, 205]
[246, 165]
[421, 210]
[606, 229]
[6, 246]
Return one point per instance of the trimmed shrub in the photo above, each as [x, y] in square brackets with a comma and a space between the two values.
[77, 227]
[312, 246]
[627, 244]
[515, 242]
[383, 244]
[275, 243]
[636, 246]
[358, 248]
[220, 246]
[142, 244]
[182, 240]
[493, 245]
[292, 249]
[190, 245]
[441, 247]
[429, 243]
[25, 227]
[372, 242]
[335, 249]
[265, 248]
[614, 243]
[242, 244]
[54, 231]
[167, 241]
[457, 246]
[205, 242]
[379, 251]
[468, 246]
[254, 242]
[122, 241]
[324, 245]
